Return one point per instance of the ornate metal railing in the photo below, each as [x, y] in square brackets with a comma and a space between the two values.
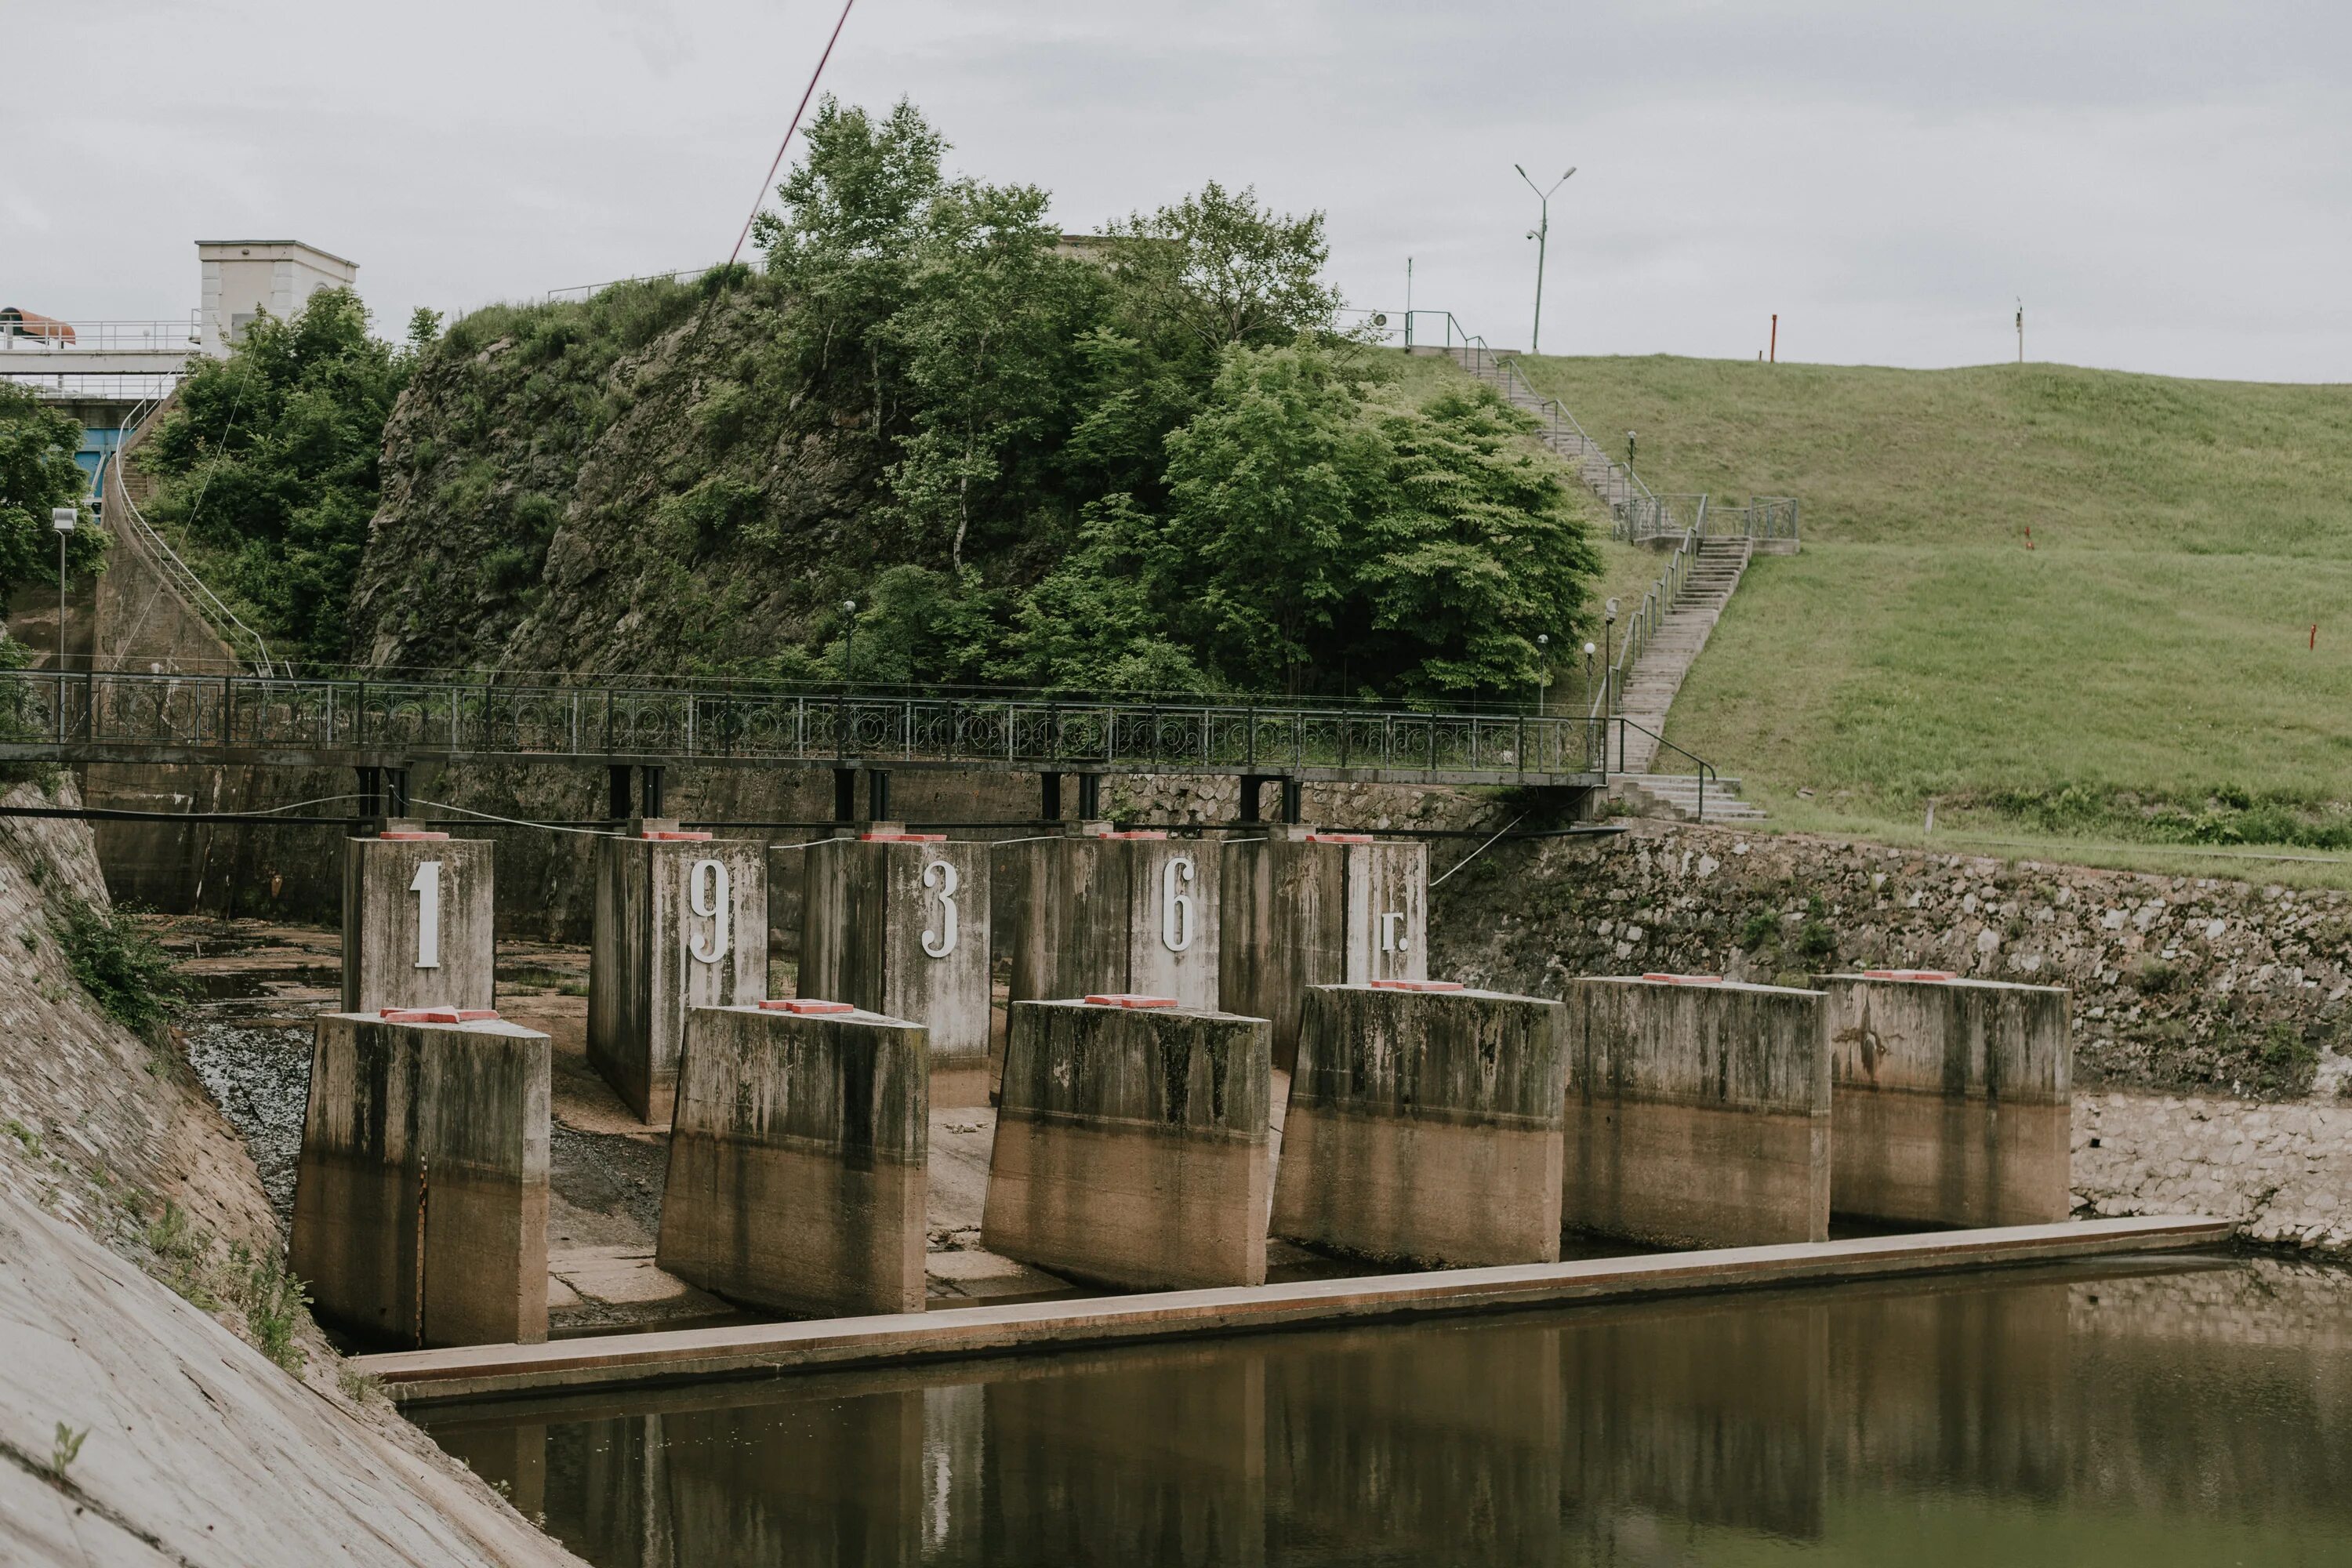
[257, 718]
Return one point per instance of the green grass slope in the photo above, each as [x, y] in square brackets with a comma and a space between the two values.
[2142, 674]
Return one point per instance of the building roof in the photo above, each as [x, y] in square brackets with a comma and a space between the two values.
[204, 244]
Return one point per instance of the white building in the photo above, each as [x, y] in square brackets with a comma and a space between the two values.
[245, 276]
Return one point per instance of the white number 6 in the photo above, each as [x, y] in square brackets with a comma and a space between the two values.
[707, 896]
[1175, 906]
[940, 875]
[426, 885]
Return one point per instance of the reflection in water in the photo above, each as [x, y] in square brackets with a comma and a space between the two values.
[2129, 1414]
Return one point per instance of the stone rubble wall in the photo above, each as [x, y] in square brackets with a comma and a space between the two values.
[2210, 1024]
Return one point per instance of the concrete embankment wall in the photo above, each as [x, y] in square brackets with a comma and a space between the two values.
[420, 1206]
[1131, 1146]
[1950, 1100]
[798, 1161]
[193, 1439]
[546, 880]
[1699, 1115]
[1424, 1126]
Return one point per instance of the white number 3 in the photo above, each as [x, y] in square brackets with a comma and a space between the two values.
[940, 875]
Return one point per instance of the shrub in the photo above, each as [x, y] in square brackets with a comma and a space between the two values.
[125, 971]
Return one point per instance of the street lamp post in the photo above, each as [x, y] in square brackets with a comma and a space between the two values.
[1541, 236]
[63, 518]
[849, 643]
[1608, 676]
[1543, 670]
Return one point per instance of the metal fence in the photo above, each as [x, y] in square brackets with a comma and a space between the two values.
[263, 720]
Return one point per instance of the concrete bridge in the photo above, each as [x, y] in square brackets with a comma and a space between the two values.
[380, 728]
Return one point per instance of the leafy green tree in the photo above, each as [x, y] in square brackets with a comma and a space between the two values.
[987, 338]
[1268, 486]
[270, 463]
[1473, 551]
[1321, 536]
[37, 472]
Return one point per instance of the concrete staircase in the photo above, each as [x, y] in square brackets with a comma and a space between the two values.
[1656, 679]
[1657, 673]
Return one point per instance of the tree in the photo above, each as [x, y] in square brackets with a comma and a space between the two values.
[1268, 486]
[37, 473]
[986, 336]
[270, 463]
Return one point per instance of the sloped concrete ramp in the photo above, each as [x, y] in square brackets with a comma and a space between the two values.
[197, 1449]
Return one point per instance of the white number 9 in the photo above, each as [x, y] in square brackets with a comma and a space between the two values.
[940, 875]
[1175, 905]
[708, 898]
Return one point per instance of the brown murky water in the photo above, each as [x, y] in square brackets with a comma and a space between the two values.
[2196, 1412]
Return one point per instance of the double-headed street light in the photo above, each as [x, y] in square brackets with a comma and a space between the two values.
[1541, 235]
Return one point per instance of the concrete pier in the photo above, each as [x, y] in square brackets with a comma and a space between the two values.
[1131, 1145]
[682, 921]
[1698, 1112]
[417, 928]
[897, 924]
[420, 1201]
[1110, 912]
[798, 1158]
[1300, 909]
[1952, 1099]
[1424, 1126]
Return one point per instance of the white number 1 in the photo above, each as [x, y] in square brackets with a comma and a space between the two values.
[426, 885]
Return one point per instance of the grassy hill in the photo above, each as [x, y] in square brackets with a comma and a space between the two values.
[2142, 674]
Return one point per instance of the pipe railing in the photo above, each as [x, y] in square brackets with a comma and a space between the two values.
[189, 588]
[277, 719]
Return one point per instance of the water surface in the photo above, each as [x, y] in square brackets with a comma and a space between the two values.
[2196, 1412]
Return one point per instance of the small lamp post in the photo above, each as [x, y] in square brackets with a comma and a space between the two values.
[63, 518]
[1590, 649]
[1630, 442]
[1543, 669]
[1608, 677]
[849, 644]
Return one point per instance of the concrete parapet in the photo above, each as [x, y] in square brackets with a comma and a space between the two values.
[418, 926]
[1424, 1125]
[798, 1159]
[899, 926]
[1698, 1114]
[1107, 912]
[680, 922]
[1131, 1145]
[1317, 909]
[420, 1201]
[1952, 1099]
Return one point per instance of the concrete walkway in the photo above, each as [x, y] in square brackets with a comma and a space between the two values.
[478, 1371]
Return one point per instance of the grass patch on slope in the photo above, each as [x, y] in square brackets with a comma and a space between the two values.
[2142, 675]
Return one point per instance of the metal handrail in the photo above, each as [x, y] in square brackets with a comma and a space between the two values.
[1703, 772]
[1644, 622]
[43, 335]
[294, 721]
[178, 573]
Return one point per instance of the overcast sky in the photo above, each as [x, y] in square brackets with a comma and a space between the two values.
[2168, 186]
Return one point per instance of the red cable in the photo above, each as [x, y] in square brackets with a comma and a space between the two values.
[768, 182]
